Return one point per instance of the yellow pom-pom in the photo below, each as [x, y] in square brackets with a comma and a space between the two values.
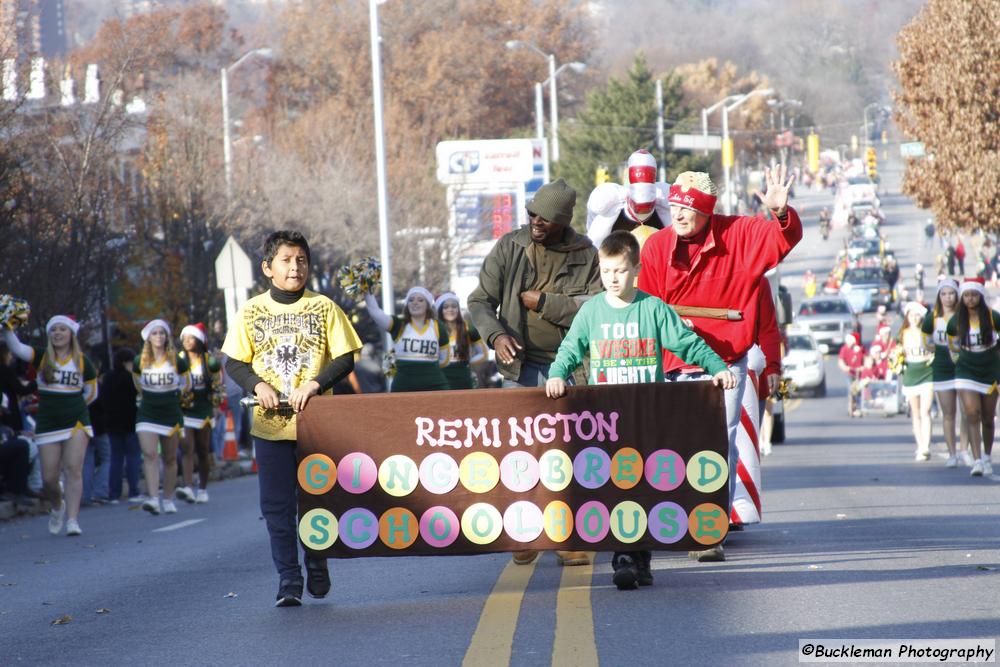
[643, 232]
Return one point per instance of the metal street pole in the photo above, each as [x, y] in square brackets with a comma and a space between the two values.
[659, 130]
[227, 147]
[388, 299]
[539, 113]
[727, 203]
[553, 108]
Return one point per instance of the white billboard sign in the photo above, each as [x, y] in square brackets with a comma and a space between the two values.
[485, 161]
[697, 142]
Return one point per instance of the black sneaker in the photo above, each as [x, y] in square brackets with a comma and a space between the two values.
[626, 573]
[317, 578]
[643, 571]
[289, 593]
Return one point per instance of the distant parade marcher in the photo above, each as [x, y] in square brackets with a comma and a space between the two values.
[315, 359]
[420, 342]
[917, 370]
[67, 384]
[612, 207]
[160, 375]
[935, 325]
[199, 414]
[710, 260]
[466, 347]
[972, 333]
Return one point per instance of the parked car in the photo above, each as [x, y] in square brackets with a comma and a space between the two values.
[829, 318]
[803, 362]
[866, 288]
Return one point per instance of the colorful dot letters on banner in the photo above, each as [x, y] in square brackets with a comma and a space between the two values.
[607, 468]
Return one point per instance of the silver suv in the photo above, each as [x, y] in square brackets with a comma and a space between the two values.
[830, 318]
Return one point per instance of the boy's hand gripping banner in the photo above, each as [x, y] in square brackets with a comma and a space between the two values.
[610, 468]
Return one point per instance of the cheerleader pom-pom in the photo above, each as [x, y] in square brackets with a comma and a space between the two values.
[361, 277]
[389, 363]
[13, 311]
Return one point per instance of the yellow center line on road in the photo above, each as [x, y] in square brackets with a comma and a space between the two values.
[574, 644]
[491, 642]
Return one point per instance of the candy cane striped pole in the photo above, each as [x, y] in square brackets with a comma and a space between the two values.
[746, 495]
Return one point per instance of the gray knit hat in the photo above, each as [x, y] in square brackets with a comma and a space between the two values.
[554, 201]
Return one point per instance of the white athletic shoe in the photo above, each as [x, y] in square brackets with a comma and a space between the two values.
[151, 505]
[977, 469]
[185, 493]
[56, 519]
[922, 456]
[72, 528]
[169, 507]
[202, 496]
[952, 461]
[987, 466]
[967, 458]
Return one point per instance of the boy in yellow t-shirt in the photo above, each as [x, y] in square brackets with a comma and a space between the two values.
[289, 344]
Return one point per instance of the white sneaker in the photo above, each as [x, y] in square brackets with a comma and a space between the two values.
[56, 519]
[922, 456]
[952, 461]
[72, 528]
[151, 505]
[967, 458]
[987, 466]
[202, 496]
[977, 469]
[185, 493]
[169, 507]
[135, 500]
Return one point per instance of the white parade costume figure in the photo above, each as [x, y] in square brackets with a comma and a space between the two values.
[612, 207]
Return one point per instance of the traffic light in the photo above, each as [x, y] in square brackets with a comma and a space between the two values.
[601, 176]
[871, 161]
[812, 152]
[727, 153]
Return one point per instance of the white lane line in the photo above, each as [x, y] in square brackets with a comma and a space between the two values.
[178, 525]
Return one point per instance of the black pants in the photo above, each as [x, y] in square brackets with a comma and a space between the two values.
[14, 466]
[277, 479]
[640, 557]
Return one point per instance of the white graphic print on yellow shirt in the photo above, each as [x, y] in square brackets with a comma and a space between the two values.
[67, 377]
[414, 344]
[941, 331]
[977, 343]
[915, 346]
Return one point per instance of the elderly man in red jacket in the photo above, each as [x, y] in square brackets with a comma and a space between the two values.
[717, 261]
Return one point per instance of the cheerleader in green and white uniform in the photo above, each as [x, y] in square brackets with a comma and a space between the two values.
[160, 375]
[466, 347]
[935, 325]
[67, 384]
[420, 342]
[918, 380]
[199, 411]
[972, 333]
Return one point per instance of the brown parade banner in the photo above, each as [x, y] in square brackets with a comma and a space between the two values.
[605, 468]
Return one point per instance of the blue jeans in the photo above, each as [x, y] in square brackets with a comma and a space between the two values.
[532, 375]
[277, 479]
[124, 449]
[734, 405]
[96, 467]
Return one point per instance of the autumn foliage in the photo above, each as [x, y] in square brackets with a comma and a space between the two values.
[949, 98]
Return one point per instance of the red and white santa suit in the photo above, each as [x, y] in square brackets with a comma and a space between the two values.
[720, 267]
[613, 207]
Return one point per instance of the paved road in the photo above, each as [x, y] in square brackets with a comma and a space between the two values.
[859, 541]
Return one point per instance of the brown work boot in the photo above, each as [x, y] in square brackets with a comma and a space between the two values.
[572, 558]
[714, 555]
[524, 557]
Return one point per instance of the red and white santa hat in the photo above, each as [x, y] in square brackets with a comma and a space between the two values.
[641, 198]
[66, 320]
[852, 339]
[973, 285]
[944, 282]
[694, 190]
[152, 325]
[198, 330]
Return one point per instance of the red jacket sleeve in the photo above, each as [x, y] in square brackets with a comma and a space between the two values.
[768, 334]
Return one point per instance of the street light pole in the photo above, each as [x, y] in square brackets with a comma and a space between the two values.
[227, 146]
[704, 118]
[728, 201]
[388, 299]
[539, 113]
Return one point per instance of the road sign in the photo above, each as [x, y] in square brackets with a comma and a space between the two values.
[912, 149]
[697, 142]
[233, 275]
[485, 161]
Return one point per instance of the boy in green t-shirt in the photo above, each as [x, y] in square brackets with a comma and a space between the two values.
[288, 345]
[625, 331]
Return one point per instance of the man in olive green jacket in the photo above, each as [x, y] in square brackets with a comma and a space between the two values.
[532, 284]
